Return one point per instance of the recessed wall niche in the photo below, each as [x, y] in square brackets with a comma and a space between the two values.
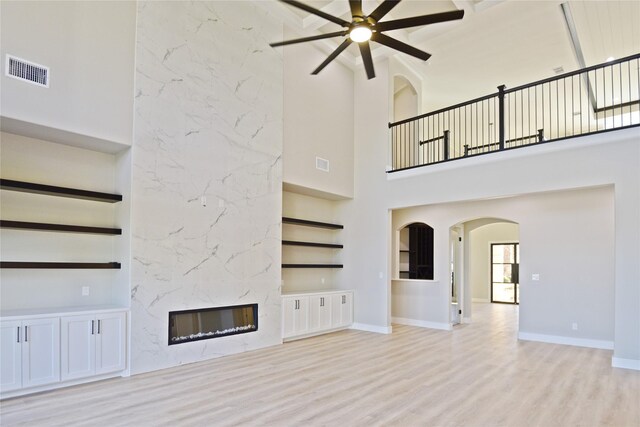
[415, 260]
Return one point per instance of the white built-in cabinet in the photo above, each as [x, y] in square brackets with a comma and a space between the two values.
[39, 352]
[92, 345]
[29, 353]
[311, 313]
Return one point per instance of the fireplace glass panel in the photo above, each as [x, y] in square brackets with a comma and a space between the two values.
[193, 325]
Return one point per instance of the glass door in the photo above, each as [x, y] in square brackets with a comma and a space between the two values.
[505, 263]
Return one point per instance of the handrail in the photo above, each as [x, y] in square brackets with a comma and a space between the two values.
[442, 110]
[604, 97]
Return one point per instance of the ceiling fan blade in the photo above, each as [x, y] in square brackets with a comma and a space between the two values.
[383, 9]
[365, 51]
[356, 7]
[333, 55]
[419, 20]
[317, 12]
[398, 45]
[308, 39]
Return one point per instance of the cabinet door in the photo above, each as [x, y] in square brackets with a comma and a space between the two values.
[110, 342]
[319, 312]
[78, 346]
[41, 352]
[10, 356]
[341, 309]
[301, 316]
[289, 306]
[346, 309]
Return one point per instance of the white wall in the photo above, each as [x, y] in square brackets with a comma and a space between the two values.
[566, 237]
[478, 240]
[89, 47]
[208, 123]
[611, 158]
[318, 121]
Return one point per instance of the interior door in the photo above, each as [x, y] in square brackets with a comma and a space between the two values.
[505, 272]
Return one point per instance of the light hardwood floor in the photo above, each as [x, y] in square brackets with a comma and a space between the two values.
[477, 375]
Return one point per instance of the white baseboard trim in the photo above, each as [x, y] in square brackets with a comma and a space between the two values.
[618, 362]
[372, 328]
[421, 323]
[479, 300]
[556, 339]
[55, 386]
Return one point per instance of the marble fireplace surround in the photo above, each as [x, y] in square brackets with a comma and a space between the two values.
[206, 174]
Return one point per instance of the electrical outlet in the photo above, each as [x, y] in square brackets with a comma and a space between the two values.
[85, 291]
[535, 277]
[574, 326]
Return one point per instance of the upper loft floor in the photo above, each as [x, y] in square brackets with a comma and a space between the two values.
[600, 98]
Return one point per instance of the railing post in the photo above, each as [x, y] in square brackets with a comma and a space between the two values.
[446, 144]
[540, 135]
[501, 89]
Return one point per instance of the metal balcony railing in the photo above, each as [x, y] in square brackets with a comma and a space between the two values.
[596, 99]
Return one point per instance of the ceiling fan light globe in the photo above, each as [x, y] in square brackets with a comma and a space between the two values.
[360, 34]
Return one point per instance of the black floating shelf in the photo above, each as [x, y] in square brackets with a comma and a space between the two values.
[21, 225]
[312, 244]
[308, 223]
[61, 265]
[311, 265]
[405, 250]
[405, 272]
[50, 190]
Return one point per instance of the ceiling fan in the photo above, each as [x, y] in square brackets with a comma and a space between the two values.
[363, 28]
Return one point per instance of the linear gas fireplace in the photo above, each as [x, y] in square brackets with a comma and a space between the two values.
[214, 322]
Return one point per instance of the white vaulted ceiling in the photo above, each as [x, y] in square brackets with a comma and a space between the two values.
[497, 42]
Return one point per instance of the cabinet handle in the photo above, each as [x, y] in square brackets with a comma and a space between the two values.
[99, 322]
[26, 333]
[321, 301]
[18, 339]
[92, 327]
[297, 304]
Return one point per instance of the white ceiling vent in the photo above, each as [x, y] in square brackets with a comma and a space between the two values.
[27, 71]
[322, 164]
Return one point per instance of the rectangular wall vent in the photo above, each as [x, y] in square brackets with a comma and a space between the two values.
[322, 164]
[27, 71]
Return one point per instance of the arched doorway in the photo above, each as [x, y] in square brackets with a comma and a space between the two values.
[405, 105]
[484, 263]
[405, 99]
